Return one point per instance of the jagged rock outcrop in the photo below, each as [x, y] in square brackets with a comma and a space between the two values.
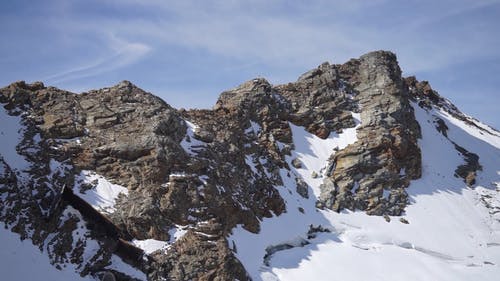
[372, 173]
[426, 97]
[206, 171]
[321, 101]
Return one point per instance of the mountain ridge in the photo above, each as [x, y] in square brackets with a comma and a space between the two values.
[189, 178]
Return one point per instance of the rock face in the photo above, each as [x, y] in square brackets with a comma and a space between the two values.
[372, 173]
[321, 100]
[204, 171]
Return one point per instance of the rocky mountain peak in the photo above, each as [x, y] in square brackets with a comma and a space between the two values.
[186, 179]
[380, 57]
[380, 71]
[38, 85]
[387, 142]
[247, 96]
[319, 71]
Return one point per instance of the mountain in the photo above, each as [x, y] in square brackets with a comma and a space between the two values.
[352, 172]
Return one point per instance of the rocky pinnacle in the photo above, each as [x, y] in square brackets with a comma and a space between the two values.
[372, 173]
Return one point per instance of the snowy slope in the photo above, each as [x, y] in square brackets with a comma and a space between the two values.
[22, 261]
[292, 226]
[451, 234]
[11, 133]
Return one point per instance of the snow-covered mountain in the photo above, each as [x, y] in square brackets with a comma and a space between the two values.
[352, 172]
[449, 231]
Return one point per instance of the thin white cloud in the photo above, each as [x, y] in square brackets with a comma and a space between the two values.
[275, 34]
[231, 32]
[279, 33]
[120, 53]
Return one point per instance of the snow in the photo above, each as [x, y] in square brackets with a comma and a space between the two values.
[250, 163]
[11, 133]
[485, 132]
[189, 143]
[482, 135]
[485, 145]
[254, 128]
[177, 233]
[253, 161]
[151, 245]
[313, 153]
[177, 175]
[119, 265]
[80, 234]
[22, 261]
[57, 168]
[103, 194]
[451, 234]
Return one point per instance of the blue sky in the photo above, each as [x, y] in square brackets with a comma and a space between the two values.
[187, 52]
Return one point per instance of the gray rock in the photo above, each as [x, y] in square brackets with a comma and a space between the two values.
[296, 163]
[387, 140]
[302, 188]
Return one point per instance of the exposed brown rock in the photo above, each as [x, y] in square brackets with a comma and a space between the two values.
[468, 170]
[321, 101]
[198, 257]
[386, 156]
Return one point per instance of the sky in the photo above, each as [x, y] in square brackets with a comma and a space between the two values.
[188, 52]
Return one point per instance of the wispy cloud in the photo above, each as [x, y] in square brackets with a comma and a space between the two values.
[119, 53]
[297, 35]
